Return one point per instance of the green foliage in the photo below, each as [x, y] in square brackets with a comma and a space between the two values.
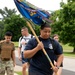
[61, 4]
[1, 29]
[7, 12]
[65, 26]
[37, 30]
[14, 24]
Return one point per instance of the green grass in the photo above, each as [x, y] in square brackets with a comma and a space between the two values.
[69, 54]
[19, 73]
[68, 51]
[16, 44]
[67, 47]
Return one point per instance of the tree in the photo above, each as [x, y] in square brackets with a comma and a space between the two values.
[6, 13]
[37, 30]
[65, 27]
[14, 24]
[1, 29]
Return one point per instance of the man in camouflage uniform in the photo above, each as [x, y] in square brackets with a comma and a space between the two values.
[7, 55]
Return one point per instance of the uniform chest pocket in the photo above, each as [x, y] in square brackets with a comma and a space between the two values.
[6, 51]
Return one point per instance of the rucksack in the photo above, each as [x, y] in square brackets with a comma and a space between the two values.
[24, 38]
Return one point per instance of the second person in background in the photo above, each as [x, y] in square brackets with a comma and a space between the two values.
[23, 40]
[56, 37]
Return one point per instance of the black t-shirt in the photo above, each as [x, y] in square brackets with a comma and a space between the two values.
[39, 61]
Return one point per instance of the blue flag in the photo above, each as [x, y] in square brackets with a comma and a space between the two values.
[37, 16]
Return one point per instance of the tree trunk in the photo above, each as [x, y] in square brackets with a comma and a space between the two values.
[74, 50]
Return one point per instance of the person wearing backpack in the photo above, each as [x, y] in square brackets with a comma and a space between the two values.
[39, 64]
[23, 40]
[56, 37]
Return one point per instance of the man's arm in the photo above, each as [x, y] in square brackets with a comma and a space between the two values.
[60, 56]
[19, 49]
[59, 53]
[19, 53]
[59, 59]
[31, 53]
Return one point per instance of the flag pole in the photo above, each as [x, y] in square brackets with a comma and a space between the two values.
[29, 25]
[29, 22]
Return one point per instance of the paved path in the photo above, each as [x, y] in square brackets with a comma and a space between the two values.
[68, 69]
[69, 64]
[67, 72]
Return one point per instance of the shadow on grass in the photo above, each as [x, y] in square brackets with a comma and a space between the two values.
[69, 54]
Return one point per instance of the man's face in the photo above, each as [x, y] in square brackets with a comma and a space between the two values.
[24, 32]
[45, 33]
[8, 38]
[56, 38]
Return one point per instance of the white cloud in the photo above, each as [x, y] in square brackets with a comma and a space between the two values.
[45, 4]
[7, 3]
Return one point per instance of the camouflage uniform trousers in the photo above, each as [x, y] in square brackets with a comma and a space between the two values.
[6, 66]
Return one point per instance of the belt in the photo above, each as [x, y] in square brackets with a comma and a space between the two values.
[5, 59]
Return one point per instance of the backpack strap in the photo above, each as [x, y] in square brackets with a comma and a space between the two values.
[31, 36]
[24, 38]
[21, 38]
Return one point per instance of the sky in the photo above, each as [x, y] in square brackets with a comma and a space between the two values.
[44, 4]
